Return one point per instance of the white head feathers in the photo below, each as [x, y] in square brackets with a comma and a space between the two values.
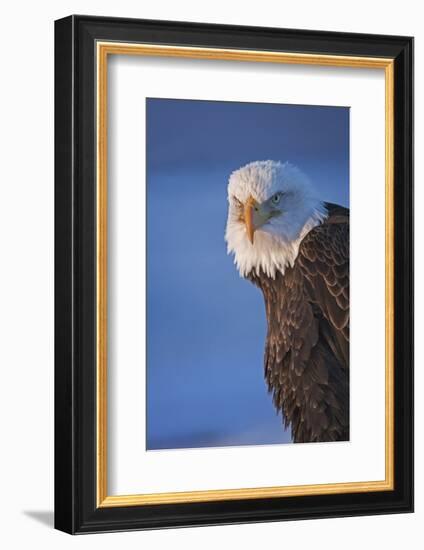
[276, 242]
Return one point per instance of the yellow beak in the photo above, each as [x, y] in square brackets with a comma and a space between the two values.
[249, 207]
[256, 215]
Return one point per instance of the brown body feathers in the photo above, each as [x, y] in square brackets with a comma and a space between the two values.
[307, 345]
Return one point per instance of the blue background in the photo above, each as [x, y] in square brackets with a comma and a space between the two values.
[205, 325]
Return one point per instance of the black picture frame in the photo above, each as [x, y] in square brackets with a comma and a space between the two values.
[76, 508]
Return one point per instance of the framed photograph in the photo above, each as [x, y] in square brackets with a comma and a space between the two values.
[233, 274]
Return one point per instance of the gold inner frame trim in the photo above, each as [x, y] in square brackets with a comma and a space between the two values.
[103, 50]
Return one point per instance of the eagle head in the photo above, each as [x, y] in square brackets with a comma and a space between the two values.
[271, 207]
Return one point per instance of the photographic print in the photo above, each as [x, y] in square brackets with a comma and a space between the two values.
[205, 267]
[247, 273]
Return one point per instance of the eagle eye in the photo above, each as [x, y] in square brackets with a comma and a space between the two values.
[276, 198]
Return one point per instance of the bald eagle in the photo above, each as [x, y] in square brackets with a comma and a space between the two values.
[295, 249]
